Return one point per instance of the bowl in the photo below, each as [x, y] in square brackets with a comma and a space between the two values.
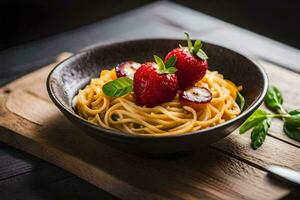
[69, 76]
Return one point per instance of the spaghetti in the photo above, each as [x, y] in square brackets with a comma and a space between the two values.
[169, 118]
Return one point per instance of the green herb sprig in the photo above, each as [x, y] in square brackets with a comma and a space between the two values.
[260, 120]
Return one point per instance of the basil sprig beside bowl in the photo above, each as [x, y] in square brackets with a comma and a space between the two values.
[261, 120]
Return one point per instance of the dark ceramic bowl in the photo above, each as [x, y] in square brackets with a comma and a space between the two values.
[74, 73]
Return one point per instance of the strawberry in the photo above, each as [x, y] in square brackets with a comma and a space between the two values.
[155, 83]
[191, 63]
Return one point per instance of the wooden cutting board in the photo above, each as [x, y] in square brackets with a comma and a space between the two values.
[230, 169]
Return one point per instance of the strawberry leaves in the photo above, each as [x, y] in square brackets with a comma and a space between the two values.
[196, 48]
[166, 68]
[171, 62]
[201, 54]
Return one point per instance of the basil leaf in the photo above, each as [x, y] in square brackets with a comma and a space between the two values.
[273, 98]
[118, 87]
[171, 62]
[257, 117]
[295, 119]
[291, 127]
[201, 54]
[295, 116]
[258, 134]
[295, 113]
[240, 100]
[197, 46]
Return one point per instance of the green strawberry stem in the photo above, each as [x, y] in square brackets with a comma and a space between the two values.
[189, 42]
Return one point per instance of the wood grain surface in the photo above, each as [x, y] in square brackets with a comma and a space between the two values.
[230, 169]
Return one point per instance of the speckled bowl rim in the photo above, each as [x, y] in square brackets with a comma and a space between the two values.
[103, 130]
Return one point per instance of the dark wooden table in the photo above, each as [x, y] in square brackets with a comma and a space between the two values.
[23, 176]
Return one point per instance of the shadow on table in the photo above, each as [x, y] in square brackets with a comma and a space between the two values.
[27, 177]
[295, 194]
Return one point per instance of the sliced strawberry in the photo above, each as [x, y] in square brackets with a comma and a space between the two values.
[191, 63]
[127, 69]
[154, 83]
[195, 97]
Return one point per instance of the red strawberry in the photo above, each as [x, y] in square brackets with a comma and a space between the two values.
[155, 83]
[191, 63]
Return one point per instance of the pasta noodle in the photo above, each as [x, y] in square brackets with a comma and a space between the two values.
[169, 118]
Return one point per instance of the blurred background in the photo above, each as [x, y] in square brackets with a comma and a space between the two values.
[23, 21]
